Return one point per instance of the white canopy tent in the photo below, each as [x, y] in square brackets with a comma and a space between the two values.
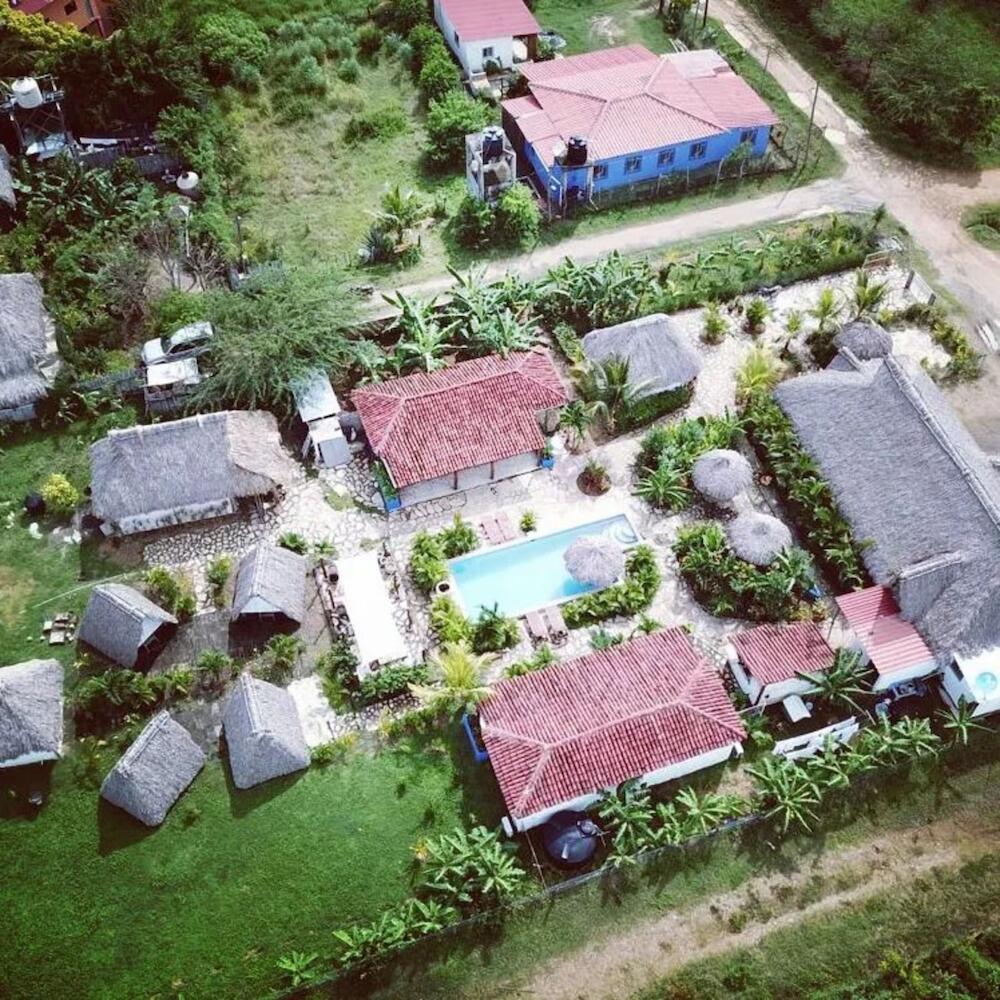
[365, 597]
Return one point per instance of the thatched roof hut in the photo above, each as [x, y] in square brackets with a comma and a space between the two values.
[156, 475]
[155, 771]
[659, 356]
[263, 732]
[28, 355]
[865, 340]
[7, 196]
[758, 538]
[124, 625]
[271, 581]
[721, 474]
[596, 560]
[31, 712]
[916, 487]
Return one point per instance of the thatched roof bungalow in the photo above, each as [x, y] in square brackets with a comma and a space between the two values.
[659, 356]
[28, 355]
[155, 771]
[271, 581]
[125, 626]
[31, 712]
[915, 486]
[263, 732]
[200, 467]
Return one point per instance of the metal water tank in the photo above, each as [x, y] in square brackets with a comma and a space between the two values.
[188, 182]
[576, 151]
[27, 93]
[492, 143]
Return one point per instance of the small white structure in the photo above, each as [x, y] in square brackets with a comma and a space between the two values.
[168, 385]
[319, 410]
[481, 32]
[490, 163]
[974, 680]
[365, 598]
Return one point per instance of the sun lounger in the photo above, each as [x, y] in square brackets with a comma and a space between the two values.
[506, 527]
[491, 530]
[538, 631]
[556, 624]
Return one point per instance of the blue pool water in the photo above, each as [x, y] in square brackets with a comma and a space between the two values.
[528, 575]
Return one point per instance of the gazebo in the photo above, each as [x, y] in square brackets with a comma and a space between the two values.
[721, 475]
[758, 538]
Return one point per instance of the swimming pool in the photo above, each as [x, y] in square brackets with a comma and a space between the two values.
[531, 574]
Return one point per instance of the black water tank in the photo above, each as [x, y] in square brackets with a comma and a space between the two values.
[576, 151]
[492, 143]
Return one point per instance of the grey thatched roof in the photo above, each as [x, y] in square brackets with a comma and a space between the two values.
[658, 354]
[912, 482]
[28, 357]
[758, 538]
[271, 580]
[721, 474]
[155, 770]
[596, 560]
[31, 712]
[263, 732]
[865, 340]
[7, 196]
[186, 469]
[118, 620]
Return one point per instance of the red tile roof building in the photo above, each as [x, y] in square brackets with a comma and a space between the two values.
[478, 20]
[774, 654]
[651, 707]
[426, 426]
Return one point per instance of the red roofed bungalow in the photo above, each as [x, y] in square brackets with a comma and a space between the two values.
[90, 16]
[487, 31]
[466, 425]
[892, 645]
[770, 659]
[611, 118]
[651, 709]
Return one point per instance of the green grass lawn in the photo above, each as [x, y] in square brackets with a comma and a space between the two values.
[97, 906]
[597, 24]
[983, 224]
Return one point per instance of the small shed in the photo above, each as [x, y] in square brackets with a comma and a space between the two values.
[125, 626]
[767, 662]
[271, 583]
[31, 712]
[319, 410]
[155, 771]
[659, 356]
[263, 732]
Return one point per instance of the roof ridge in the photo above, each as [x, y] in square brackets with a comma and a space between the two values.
[909, 390]
[139, 747]
[119, 601]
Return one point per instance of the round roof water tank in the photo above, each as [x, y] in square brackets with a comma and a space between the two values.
[27, 93]
[188, 181]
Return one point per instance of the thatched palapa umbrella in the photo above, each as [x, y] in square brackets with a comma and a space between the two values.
[596, 560]
[758, 538]
[865, 340]
[721, 474]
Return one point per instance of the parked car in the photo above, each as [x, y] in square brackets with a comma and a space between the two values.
[187, 342]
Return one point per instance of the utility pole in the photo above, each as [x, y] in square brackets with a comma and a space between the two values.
[812, 117]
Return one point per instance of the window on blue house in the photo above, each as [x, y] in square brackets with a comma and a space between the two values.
[665, 158]
[698, 150]
[600, 171]
[633, 165]
[748, 135]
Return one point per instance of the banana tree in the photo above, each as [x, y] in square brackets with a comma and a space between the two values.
[842, 683]
[786, 792]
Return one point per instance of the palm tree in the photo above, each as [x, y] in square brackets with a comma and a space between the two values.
[461, 685]
[608, 387]
[400, 211]
[760, 372]
[868, 295]
[842, 683]
[960, 723]
[576, 419]
[826, 310]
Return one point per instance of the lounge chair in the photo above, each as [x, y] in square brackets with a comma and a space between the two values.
[506, 527]
[557, 624]
[538, 631]
[491, 530]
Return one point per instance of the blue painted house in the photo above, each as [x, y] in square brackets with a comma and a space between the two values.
[615, 117]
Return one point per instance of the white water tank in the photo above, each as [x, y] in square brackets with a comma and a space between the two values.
[27, 93]
[187, 183]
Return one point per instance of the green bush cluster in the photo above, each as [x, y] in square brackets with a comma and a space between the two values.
[622, 600]
[172, 591]
[378, 123]
[490, 632]
[448, 623]
[233, 48]
[805, 492]
[383, 482]
[60, 495]
[514, 220]
[390, 682]
[450, 118]
[540, 659]
[730, 587]
[217, 576]
[106, 700]
[429, 552]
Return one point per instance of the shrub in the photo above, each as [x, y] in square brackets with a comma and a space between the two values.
[294, 542]
[349, 70]
[215, 665]
[569, 344]
[227, 39]
[756, 314]
[458, 538]
[59, 494]
[402, 16]
[439, 74]
[450, 117]
[333, 751]
[217, 576]
[381, 123]
[716, 327]
[634, 594]
[493, 632]
[172, 591]
[280, 655]
[518, 218]
[528, 522]
[368, 38]
[760, 373]
[541, 658]
[306, 77]
[448, 623]
[473, 224]
[390, 682]
[426, 565]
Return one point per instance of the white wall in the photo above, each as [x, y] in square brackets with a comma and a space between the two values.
[664, 774]
[955, 688]
[477, 475]
[885, 681]
[28, 758]
[470, 53]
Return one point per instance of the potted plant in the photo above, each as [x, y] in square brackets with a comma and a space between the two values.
[548, 459]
